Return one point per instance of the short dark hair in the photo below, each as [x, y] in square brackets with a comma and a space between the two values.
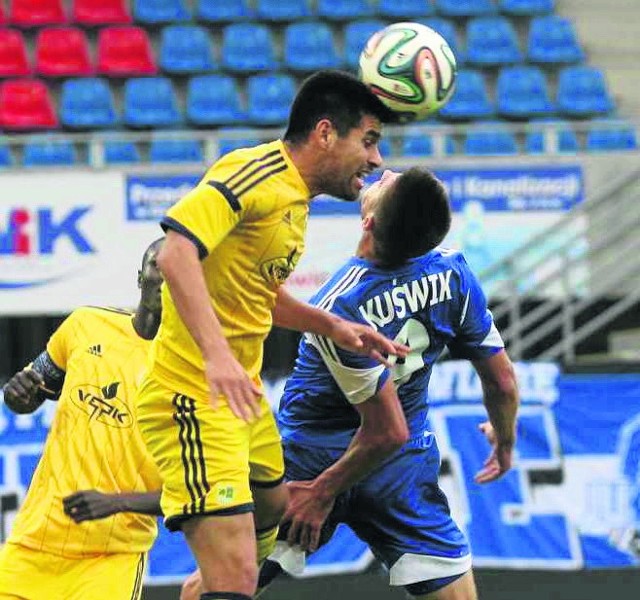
[151, 248]
[412, 217]
[335, 95]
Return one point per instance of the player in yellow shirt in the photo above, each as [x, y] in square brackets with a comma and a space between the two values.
[92, 366]
[231, 242]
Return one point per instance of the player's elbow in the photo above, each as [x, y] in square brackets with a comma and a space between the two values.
[394, 438]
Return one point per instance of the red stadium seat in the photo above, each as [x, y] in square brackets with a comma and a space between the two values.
[124, 51]
[62, 52]
[13, 54]
[101, 12]
[25, 104]
[34, 13]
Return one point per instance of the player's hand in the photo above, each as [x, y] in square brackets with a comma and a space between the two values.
[306, 513]
[90, 505]
[362, 339]
[500, 459]
[228, 379]
[20, 391]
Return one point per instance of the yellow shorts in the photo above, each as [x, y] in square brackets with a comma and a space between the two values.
[27, 574]
[208, 460]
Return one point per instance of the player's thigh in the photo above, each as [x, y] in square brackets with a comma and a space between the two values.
[461, 588]
[112, 576]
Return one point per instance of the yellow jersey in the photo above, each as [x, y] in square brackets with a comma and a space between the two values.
[94, 442]
[248, 218]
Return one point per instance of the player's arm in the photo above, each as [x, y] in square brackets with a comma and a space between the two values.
[383, 429]
[355, 337]
[28, 389]
[89, 505]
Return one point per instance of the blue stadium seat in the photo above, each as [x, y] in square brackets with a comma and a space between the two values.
[49, 154]
[150, 102]
[214, 100]
[417, 144]
[522, 93]
[492, 41]
[526, 8]
[309, 46]
[340, 10]
[282, 10]
[154, 12]
[604, 137]
[470, 99]
[490, 142]
[447, 29]
[228, 144]
[6, 158]
[552, 39]
[582, 92]
[87, 104]
[269, 98]
[405, 9]
[224, 11]
[558, 136]
[385, 147]
[465, 8]
[248, 47]
[121, 153]
[185, 49]
[356, 35]
[172, 151]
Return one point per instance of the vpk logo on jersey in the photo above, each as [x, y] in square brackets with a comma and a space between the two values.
[102, 404]
[41, 245]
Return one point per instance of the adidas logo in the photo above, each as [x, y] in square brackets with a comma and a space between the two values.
[95, 350]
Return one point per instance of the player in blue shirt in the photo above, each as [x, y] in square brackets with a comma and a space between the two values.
[357, 448]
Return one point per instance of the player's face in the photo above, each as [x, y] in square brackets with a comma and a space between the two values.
[352, 158]
[374, 192]
[150, 281]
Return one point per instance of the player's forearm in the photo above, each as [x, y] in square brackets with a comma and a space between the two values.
[143, 503]
[501, 400]
[301, 316]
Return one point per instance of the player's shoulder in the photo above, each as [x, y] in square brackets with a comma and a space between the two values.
[101, 313]
[445, 257]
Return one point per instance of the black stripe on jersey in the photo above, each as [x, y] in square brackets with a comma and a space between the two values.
[248, 165]
[227, 193]
[179, 419]
[278, 160]
[137, 585]
[170, 223]
[113, 309]
[199, 453]
[255, 182]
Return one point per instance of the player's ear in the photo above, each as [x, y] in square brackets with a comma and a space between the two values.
[368, 222]
[326, 133]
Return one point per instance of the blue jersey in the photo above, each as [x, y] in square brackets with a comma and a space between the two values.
[431, 302]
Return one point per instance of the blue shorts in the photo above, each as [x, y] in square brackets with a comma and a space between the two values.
[398, 510]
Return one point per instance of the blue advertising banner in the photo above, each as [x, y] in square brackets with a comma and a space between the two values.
[571, 501]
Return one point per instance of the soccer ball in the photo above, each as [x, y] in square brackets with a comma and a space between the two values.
[411, 68]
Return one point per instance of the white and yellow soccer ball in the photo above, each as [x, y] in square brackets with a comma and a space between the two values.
[411, 68]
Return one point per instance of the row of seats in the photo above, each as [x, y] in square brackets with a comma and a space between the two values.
[250, 47]
[412, 145]
[522, 93]
[35, 13]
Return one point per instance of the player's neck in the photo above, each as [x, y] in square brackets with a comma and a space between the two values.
[365, 247]
[146, 323]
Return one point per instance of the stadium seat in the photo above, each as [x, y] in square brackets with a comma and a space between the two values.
[59, 153]
[356, 35]
[87, 104]
[309, 46]
[526, 8]
[6, 158]
[490, 142]
[522, 93]
[62, 52]
[465, 8]
[13, 54]
[214, 100]
[557, 136]
[223, 11]
[339, 10]
[282, 10]
[35, 13]
[492, 41]
[470, 99]
[155, 12]
[171, 151]
[120, 152]
[248, 47]
[269, 98]
[417, 144]
[125, 51]
[606, 137]
[405, 9]
[185, 49]
[385, 146]
[582, 92]
[25, 104]
[229, 144]
[552, 39]
[101, 12]
[3, 16]
[447, 30]
[150, 102]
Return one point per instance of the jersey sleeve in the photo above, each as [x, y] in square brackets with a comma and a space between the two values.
[476, 333]
[62, 341]
[358, 377]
